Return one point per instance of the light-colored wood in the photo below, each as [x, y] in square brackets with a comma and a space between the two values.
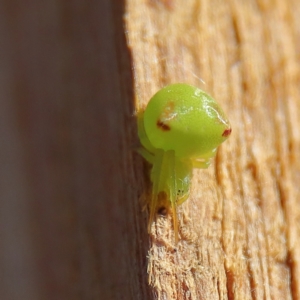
[71, 218]
[240, 229]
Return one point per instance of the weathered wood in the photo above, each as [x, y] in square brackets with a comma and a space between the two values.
[240, 228]
[72, 224]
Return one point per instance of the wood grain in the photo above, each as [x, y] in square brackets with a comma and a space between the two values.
[240, 228]
[72, 188]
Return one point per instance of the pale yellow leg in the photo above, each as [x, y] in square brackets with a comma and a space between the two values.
[157, 175]
[173, 191]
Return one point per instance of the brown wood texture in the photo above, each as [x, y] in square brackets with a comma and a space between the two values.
[240, 230]
[72, 188]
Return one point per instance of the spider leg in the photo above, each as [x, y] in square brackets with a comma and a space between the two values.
[173, 190]
[146, 154]
[201, 164]
[157, 177]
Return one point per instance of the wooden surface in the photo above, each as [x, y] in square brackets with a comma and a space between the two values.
[240, 228]
[72, 188]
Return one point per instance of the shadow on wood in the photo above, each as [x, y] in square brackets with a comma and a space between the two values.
[70, 211]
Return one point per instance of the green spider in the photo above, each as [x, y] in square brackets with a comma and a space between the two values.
[180, 129]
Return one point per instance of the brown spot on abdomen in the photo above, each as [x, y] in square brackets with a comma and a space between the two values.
[161, 125]
[226, 132]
